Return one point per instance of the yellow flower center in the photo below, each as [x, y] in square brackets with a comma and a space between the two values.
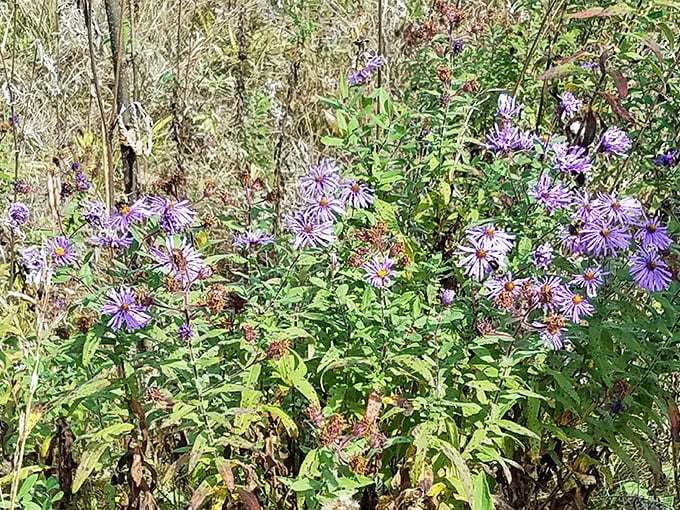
[651, 228]
[59, 251]
[589, 275]
[651, 265]
[382, 273]
[480, 254]
[576, 299]
[355, 187]
[318, 178]
[545, 288]
[509, 286]
[605, 232]
[589, 207]
[489, 231]
[124, 307]
[307, 229]
[323, 202]
[125, 210]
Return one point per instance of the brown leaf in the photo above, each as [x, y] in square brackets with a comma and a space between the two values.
[248, 500]
[136, 469]
[614, 102]
[199, 495]
[373, 406]
[224, 469]
[570, 58]
[594, 12]
[560, 71]
[656, 49]
[621, 84]
[674, 416]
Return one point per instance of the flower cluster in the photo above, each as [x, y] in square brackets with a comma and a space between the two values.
[362, 76]
[505, 137]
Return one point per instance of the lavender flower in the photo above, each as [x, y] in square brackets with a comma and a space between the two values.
[552, 197]
[603, 239]
[308, 233]
[82, 182]
[653, 235]
[550, 292]
[447, 296]
[457, 47]
[489, 237]
[362, 76]
[507, 108]
[126, 214]
[122, 305]
[589, 66]
[649, 271]
[182, 262]
[379, 271]
[505, 284]
[624, 211]
[570, 105]
[18, 214]
[571, 240]
[113, 239]
[550, 331]
[93, 212]
[477, 261]
[324, 208]
[614, 140]
[568, 159]
[33, 261]
[356, 195]
[586, 209]
[506, 139]
[61, 250]
[174, 216]
[320, 180]
[186, 332]
[543, 256]
[574, 306]
[590, 280]
[253, 240]
[667, 159]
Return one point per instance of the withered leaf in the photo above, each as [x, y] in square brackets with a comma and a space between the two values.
[614, 102]
[248, 500]
[674, 416]
[621, 84]
[560, 71]
[656, 49]
[199, 495]
[227, 475]
[594, 12]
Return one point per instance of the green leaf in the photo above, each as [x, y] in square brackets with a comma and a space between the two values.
[332, 141]
[462, 470]
[288, 423]
[515, 428]
[88, 461]
[482, 496]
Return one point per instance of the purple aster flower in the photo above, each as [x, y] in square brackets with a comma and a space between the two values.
[61, 250]
[603, 239]
[308, 233]
[174, 216]
[570, 159]
[18, 214]
[253, 240]
[489, 237]
[543, 256]
[186, 332]
[183, 262]
[320, 180]
[507, 108]
[14, 120]
[649, 271]
[506, 139]
[379, 271]
[505, 284]
[614, 140]
[356, 194]
[126, 214]
[570, 105]
[550, 292]
[114, 239]
[457, 47]
[93, 212]
[651, 234]
[624, 211]
[589, 66]
[477, 261]
[550, 331]
[667, 159]
[552, 197]
[585, 208]
[75, 166]
[571, 240]
[82, 182]
[574, 306]
[324, 208]
[122, 305]
[447, 296]
[33, 260]
[591, 279]
[363, 75]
